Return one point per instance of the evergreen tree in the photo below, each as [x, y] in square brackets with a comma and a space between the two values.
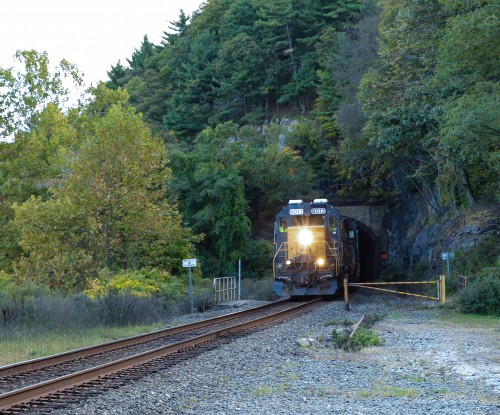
[177, 28]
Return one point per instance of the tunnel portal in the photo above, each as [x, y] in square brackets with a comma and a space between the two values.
[370, 250]
[373, 239]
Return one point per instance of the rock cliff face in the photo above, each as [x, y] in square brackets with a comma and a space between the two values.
[415, 237]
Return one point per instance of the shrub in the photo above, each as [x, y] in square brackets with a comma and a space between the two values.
[371, 319]
[362, 338]
[126, 309]
[482, 295]
[140, 283]
[485, 253]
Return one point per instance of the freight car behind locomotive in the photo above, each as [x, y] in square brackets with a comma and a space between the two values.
[315, 249]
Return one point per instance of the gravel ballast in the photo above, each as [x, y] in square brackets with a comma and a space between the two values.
[425, 366]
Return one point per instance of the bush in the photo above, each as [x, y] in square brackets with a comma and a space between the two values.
[362, 338]
[485, 253]
[482, 295]
[127, 309]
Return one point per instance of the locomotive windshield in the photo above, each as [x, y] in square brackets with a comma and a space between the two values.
[307, 220]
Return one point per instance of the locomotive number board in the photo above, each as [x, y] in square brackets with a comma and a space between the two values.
[296, 211]
[318, 211]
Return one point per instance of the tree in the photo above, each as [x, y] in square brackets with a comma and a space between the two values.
[25, 93]
[190, 105]
[110, 211]
[229, 183]
[466, 80]
[178, 27]
[37, 134]
[398, 100]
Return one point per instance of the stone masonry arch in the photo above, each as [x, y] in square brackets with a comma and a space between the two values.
[373, 238]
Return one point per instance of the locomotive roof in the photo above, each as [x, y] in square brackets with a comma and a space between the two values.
[317, 206]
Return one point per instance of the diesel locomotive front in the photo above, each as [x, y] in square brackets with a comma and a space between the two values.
[315, 249]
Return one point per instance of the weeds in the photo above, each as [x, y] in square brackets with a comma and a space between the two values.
[337, 321]
[362, 338]
[388, 391]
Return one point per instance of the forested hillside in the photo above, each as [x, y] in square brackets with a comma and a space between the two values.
[193, 144]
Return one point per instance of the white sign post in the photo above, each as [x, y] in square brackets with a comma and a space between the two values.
[446, 256]
[190, 263]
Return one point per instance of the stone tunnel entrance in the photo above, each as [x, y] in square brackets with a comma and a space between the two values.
[373, 238]
[371, 265]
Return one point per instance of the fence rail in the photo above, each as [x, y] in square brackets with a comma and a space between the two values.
[224, 289]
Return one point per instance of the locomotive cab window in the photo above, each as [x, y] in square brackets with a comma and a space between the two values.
[332, 224]
[318, 220]
[282, 227]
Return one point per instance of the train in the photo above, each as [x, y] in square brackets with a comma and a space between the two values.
[316, 248]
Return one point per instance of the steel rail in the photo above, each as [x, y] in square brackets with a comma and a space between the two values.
[29, 393]
[33, 364]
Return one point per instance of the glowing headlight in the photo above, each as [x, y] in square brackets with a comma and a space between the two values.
[288, 262]
[305, 237]
[320, 262]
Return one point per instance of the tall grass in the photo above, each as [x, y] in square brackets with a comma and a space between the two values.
[25, 343]
[36, 322]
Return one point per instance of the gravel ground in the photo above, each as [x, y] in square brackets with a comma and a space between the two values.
[425, 366]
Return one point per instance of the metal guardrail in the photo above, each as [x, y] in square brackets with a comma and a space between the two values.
[224, 289]
[440, 284]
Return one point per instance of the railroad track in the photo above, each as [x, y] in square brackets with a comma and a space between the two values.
[40, 385]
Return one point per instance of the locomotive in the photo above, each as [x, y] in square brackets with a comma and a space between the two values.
[315, 249]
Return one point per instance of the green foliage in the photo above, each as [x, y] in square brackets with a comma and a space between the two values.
[482, 295]
[26, 92]
[484, 254]
[371, 319]
[140, 283]
[361, 338]
[110, 211]
[233, 60]
[431, 107]
[337, 321]
[480, 264]
[217, 177]
[30, 99]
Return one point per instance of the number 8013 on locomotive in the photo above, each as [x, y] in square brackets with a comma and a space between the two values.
[315, 249]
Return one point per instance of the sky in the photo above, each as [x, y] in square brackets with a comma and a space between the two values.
[92, 34]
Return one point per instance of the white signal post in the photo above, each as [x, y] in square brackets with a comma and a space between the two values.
[190, 263]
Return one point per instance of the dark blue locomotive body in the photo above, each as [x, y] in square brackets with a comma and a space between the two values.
[315, 249]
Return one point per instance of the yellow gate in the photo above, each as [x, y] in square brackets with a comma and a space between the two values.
[440, 284]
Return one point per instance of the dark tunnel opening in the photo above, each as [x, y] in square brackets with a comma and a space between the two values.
[369, 249]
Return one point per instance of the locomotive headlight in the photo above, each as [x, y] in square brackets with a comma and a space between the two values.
[305, 237]
[320, 262]
[288, 262]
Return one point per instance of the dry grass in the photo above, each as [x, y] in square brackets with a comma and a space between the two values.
[24, 344]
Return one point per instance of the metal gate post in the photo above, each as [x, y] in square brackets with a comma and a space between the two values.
[442, 289]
